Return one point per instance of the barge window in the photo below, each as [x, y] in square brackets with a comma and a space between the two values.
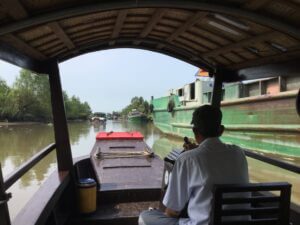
[180, 92]
[252, 89]
[271, 87]
[192, 91]
[206, 97]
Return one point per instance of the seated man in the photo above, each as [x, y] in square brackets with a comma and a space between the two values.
[197, 170]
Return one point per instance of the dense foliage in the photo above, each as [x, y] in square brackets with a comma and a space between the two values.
[29, 100]
[137, 103]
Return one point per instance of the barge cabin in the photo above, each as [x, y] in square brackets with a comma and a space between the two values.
[234, 40]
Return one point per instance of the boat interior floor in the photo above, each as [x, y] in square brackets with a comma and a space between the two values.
[126, 213]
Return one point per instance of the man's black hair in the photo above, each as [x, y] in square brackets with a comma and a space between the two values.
[207, 121]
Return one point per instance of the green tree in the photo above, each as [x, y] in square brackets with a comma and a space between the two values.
[137, 103]
[29, 100]
[75, 109]
[32, 95]
[4, 106]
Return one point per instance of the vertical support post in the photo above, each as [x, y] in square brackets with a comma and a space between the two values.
[282, 83]
[4, 213]
[63, 148]
[217, 91]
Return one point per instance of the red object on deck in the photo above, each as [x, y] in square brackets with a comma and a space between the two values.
[134, 135]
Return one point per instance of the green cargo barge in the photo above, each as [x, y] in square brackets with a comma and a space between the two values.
[249, 112]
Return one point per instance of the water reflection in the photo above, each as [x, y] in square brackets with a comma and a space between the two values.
[19, 143]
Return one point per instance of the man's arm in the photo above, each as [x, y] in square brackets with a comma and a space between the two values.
[171, 213]
[177, 194]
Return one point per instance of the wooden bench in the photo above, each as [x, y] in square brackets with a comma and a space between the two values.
[260, 208]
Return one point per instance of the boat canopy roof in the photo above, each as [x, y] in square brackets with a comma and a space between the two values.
[242, 39]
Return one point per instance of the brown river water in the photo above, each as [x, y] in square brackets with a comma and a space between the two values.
[20, 142]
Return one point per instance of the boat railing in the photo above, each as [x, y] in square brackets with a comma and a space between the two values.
[274, 162]
[15, 176]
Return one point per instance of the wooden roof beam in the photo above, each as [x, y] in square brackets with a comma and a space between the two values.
[14, 9]
[118, 25]
[156, 17]
[240, 44]
[60, 33]
[194, 19]
[24, 47]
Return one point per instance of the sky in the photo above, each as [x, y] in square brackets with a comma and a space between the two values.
[108, 79]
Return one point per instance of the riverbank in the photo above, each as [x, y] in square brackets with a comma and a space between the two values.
[6, 124]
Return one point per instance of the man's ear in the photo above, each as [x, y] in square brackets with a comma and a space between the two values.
[221, 130]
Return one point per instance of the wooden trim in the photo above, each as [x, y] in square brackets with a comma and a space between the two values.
[61, 132]
[15, 57]
[60, 33]
[15, 9]
[229, 9]
[23, 46]
[157, 16]
[17, 174]
[118, 26]
[268, 186]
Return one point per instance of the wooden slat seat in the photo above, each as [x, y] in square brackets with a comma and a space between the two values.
[128, 195]
[257, 209]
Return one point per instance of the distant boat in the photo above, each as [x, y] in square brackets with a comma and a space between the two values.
[98, 117]
[136, 116]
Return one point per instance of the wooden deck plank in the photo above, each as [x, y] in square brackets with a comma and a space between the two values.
[126, 172]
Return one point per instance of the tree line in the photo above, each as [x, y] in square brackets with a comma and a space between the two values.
[137, 103]
[29, 100]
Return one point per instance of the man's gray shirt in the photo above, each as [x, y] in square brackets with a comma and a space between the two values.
[196, 171]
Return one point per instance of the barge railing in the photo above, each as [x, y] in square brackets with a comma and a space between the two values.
[15, 176]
